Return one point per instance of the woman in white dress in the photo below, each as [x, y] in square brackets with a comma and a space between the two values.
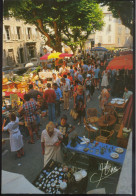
[105, 82]
[16, 140]
[50, 143]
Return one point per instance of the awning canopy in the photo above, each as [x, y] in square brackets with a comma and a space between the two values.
[121, 62]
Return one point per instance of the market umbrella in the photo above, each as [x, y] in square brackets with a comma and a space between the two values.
[121, 62]
[65, 55]
[45, 57]
[50, 56]
[99, 49]
[54, 55]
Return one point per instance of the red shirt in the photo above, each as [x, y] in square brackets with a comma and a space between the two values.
[49, 95]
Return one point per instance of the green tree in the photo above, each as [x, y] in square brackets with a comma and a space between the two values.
[121, 9]
[60, 21]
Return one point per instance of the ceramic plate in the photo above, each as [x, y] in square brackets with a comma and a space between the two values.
[112, 102]
[119, 102]
[83, 173]
[114, 155]
[119, 150]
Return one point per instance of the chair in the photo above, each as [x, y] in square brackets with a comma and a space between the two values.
[91, 112]
[105, 139]
[110, 110]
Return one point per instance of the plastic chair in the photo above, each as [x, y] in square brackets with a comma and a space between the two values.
[105, 139]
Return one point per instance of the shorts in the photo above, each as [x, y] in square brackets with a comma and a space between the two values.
[31, 124]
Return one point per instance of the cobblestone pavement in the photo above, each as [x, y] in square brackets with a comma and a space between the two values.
[32, 163]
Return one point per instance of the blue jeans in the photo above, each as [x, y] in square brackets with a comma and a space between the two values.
[51, 111]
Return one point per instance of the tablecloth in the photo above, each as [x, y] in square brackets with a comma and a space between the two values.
[79, 148]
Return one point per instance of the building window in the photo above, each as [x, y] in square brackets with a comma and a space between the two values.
[119, 21]
[11, 59]
[21, 55]
[29, 33]
[7, 29]
[110, 17]
[37, 33]
[118, 40]
[18, 32]
[109, 28]
[119, 30]
[100, 39]
[109, 39]
[127, 30]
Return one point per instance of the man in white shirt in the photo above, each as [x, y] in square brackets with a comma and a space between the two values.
[66, 91]
[127, 93]
[55, 79]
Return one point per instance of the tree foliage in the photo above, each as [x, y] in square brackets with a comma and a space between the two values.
[121, 9]
[60, 21]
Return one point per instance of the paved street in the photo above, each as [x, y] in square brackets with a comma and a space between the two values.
[32, 163]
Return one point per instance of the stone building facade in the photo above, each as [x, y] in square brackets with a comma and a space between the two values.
[21, 42]
[113, 33]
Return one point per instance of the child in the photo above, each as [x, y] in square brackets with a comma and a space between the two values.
[63, 127]
[16, 141]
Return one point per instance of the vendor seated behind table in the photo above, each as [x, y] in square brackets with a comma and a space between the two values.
[127, 93]
[50, 143]
[63, 127]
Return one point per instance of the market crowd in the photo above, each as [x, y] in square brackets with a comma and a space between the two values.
[76, 78]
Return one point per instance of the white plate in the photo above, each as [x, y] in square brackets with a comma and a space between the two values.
[112, 102]
[119, 102]
[78, 176]
[119, 150]
[114, 155]
[83, 173]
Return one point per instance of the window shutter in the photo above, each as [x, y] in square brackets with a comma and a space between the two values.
[26, 34]
[12, 33]
[15, 35]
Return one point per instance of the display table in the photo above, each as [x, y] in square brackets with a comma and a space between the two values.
[52, 175]
[110, 122]
[7, 94]
[120, 106]
[95, 151]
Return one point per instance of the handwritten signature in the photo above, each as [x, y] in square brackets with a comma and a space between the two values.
[106, 171]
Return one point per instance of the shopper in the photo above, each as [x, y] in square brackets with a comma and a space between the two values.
[50, 97]
[16, 139]
[66, 92]
[58, 98]
[50, 143]
[28, 109]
